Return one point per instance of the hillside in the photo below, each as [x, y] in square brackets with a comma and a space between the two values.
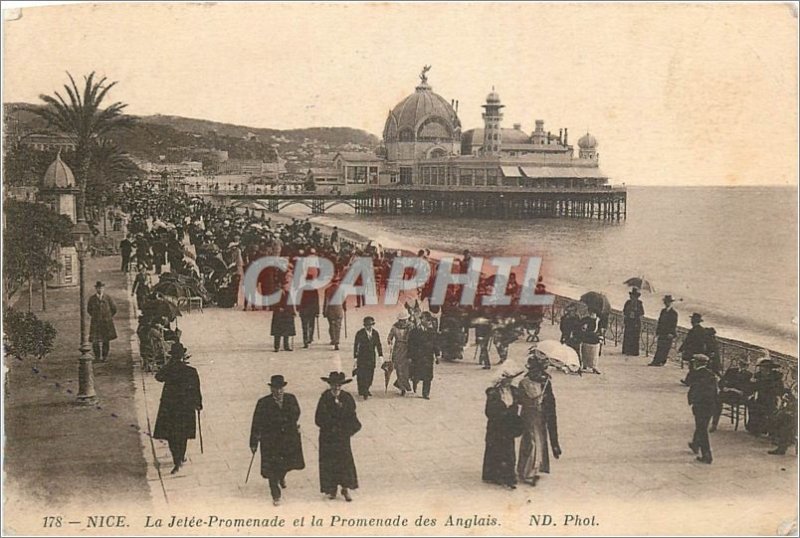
[176, 138]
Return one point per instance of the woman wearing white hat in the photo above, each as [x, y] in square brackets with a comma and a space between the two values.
[398, 341]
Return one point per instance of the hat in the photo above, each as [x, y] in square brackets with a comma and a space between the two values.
[336, 378]
[402, 315]
[635, 291]
[178, 351]
[699, 359]
[767, 361]
[99, 284]
[370, 320]
[668, 299]
[277, 381]
[696, 317]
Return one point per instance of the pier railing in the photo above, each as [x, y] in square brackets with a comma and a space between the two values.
[730, 350]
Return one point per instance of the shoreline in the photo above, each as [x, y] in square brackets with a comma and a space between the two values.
[727, 331]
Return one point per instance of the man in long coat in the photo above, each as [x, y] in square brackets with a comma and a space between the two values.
[282, 326]
[101, 309]
[423, 347]
[695, 341]
[366, 348]
[337, 421]
[665, 332]
[180, 400]
[275, 428]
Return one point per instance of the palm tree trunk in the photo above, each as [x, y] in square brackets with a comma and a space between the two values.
[44, 295]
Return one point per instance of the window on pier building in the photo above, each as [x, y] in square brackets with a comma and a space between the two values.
[434, 176]
[466, 177]
[373, 175]
[425, 175]
[406, 175]
[491, 177]
[442, 175]
[480, 176]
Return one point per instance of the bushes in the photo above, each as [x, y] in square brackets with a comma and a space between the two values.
[26, 335]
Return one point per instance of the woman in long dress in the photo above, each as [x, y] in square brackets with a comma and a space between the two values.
[398, 341]
[337, 421]
[590, 342]
[538, 413]
[502, 412]
[633, 312]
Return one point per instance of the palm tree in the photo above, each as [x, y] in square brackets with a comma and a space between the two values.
[82, 119]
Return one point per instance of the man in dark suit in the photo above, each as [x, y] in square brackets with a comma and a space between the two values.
[125, 248]
[693, 344]
[366, 348]
[275, 428]
[309, 312]
[703, 397]
[665, 332]
[180, 401]
[101, 310]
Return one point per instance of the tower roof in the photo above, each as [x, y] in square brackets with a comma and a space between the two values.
[421, 107]
[58, 175]
[587, 141]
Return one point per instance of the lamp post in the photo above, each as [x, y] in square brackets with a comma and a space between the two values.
[86, 393]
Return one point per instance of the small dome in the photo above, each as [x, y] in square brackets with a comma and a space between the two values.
[58, 175]
[493, 97]
[587, 141]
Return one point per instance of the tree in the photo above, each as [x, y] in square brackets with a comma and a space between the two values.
[108, 169]
[32, 233]
[82, 118]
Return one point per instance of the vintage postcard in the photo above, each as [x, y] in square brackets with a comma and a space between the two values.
[393, 269]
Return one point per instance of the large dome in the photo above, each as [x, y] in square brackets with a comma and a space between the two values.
[423, 115]
[587, 141]
[58, 175]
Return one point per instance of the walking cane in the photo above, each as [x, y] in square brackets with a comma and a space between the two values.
[345, 323]
[250, 467]
[200, 430]
[317, 327]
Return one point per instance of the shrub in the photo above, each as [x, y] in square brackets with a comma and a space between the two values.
[26, 335]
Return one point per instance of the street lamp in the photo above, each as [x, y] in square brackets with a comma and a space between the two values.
[86, 393]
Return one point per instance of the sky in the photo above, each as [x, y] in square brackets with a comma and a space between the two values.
[699, 94]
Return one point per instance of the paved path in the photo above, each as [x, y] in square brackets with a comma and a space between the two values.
[623, 433]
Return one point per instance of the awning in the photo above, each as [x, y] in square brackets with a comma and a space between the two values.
[511, 171]
[577, 172]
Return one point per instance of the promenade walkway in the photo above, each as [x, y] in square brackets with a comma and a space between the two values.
[57, 453]
[623, 433]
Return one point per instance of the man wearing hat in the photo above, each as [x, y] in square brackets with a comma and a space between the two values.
[423, 348]
[703, 397]
[101, 309]
[767, 391]
[180, 400]
[665, 332]
[633, 312]
[337, 421]
[309, 312]
[366, 348]
[275, 428]
[334, 313]
[694, 343]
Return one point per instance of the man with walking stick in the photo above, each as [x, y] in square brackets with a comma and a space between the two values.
[181, 400]
[275, 429]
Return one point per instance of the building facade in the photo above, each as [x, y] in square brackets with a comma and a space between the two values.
[424, 146]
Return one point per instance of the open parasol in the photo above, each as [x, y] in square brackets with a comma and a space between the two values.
[597, 302]
[560, 355]
[161, 308]
[640, 282]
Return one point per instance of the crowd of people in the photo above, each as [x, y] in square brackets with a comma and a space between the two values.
[196, 248]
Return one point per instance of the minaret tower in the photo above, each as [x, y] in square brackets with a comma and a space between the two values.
[58, 191]
[492, 115]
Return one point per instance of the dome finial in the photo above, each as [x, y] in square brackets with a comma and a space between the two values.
[423, 76]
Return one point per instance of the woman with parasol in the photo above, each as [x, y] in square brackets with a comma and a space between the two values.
[503, 426]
